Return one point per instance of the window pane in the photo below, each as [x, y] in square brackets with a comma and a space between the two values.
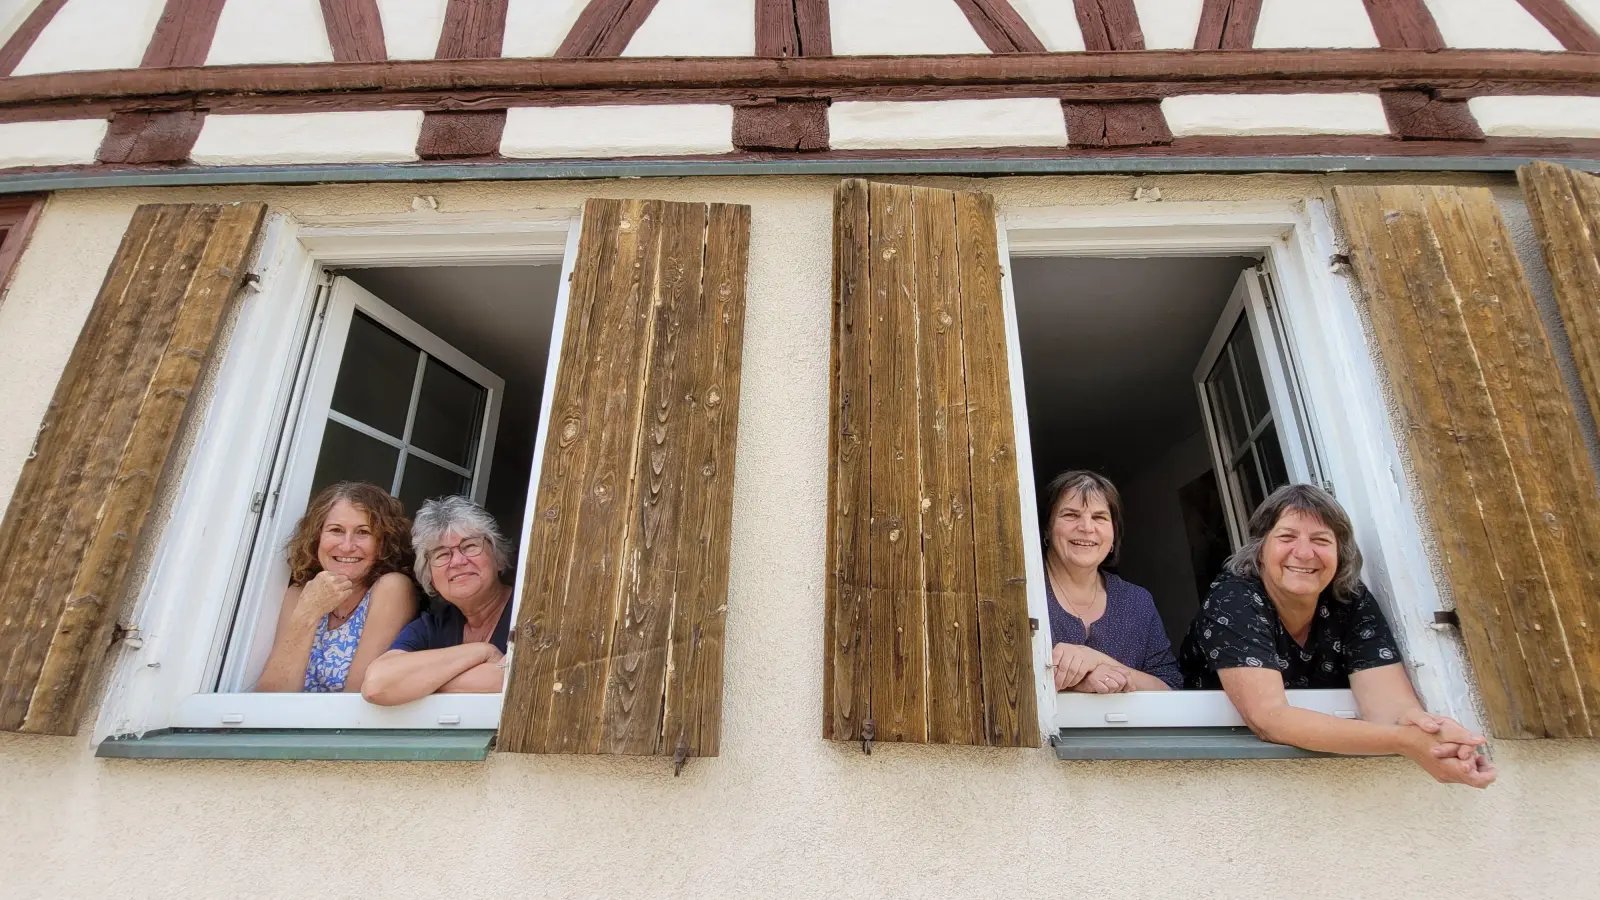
[1255, 385]
[376, 374]
[423, 481]
[1249, 482]
[1224, 393]
[349, 455]
[449, 414]
[1271, 455]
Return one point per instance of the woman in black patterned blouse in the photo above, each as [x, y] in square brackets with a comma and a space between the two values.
[1290, 611]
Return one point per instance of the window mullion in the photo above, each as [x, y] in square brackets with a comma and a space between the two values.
[411, 419]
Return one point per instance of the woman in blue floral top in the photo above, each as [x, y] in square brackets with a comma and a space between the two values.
[348, 593]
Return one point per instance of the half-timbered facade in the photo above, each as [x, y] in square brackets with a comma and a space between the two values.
[757, 325]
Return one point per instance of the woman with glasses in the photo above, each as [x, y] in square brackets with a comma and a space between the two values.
[459, 646]
[348, 593]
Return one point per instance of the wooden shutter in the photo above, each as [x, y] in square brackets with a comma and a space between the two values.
[84, 496]
[618, 644]
[1501, 466]
[1566, 215]
[928, 639]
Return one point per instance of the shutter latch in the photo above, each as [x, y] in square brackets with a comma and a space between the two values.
[869, 730]
[680, 756]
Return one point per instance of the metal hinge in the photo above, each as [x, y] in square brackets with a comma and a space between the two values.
[258, 501]
[1446, 618]
[1033, 625]
[869, 730]
[680, 756]
[128, 635]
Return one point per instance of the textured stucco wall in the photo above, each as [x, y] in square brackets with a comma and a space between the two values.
[781, 813]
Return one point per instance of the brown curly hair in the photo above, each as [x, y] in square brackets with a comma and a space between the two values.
[389, 525]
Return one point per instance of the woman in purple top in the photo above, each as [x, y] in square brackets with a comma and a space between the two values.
[1108, 636]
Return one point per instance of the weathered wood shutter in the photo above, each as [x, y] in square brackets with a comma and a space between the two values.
[618, 644]
[928, 639]
[1500, 463]
[84, 496]
[1566, 215]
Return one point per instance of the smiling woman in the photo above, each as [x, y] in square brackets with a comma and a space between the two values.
[348, 597]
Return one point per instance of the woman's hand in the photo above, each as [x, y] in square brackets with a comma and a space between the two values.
[1074, 661]
[1105, 679]
[1424, 749]
[322, 595]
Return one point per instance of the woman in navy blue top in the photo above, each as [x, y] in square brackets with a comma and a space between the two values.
[1107, 634]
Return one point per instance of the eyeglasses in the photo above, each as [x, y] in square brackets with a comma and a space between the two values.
[470, 548]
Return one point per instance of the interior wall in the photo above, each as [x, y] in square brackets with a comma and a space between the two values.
[1156, 556]
[501, 317]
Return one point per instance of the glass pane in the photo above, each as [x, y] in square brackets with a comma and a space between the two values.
[1255, 386]
[376, 374]
[1224, 394]
[1271, 456]
[449, 414]
[1249, 481]
[349, 455]
[423, 481]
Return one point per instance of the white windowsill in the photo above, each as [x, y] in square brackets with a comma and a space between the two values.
[1180, 709]
[463, 711]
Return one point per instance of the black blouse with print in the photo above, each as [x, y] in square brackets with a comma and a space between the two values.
[1238, 627]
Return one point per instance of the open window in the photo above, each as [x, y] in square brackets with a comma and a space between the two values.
[1164, 359]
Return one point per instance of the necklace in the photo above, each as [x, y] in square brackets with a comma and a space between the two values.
[1065, 599]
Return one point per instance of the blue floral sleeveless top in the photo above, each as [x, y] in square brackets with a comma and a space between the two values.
[333, 650]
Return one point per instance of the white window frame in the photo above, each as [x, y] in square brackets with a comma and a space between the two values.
[158, 681]
[1337, 388]
[247, 636]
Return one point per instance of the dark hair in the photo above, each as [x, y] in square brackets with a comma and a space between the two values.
[1084, 483]
[389, 525]
[1307, 500]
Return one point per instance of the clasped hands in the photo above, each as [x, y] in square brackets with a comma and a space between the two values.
[1080, 668]
[1446, 749]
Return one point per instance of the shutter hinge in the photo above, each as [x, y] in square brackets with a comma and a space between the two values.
[127, 635]
[869, 730]
[34, 450]
[1033, 625]
[680, 756]
[1445, 618]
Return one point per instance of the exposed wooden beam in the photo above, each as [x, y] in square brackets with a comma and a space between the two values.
[605, 27]
[1109, 25]
[1106, 76]
[183, 34]
[1569, 27]
[473, 29]
[1000, 27]
[1228, 25]
[355, 30]
[787, 28]
[1418, 114]
[17, 45]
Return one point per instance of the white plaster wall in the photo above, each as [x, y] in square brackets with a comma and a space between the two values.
[1572, 117]
[901, 27]
[780, 814]
[1262, 114]
[58, 143]
[330, 137]
[1324, 23]
[93, 34]
[537, 27]
[1055, 24]
[936, 124]
[697, 28]
[411, 27]
[1169, 24]
[270, 31]
[554, 132]
[1491, 24]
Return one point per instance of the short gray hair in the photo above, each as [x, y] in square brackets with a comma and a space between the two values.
[459, 516]
[1308, 500]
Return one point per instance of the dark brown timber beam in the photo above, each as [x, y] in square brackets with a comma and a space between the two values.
[1569, 27]
[1152, 72]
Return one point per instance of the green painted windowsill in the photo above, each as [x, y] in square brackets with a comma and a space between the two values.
[1170, 743]
[436, 745]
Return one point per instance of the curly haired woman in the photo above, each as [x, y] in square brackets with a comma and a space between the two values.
[348, 595]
